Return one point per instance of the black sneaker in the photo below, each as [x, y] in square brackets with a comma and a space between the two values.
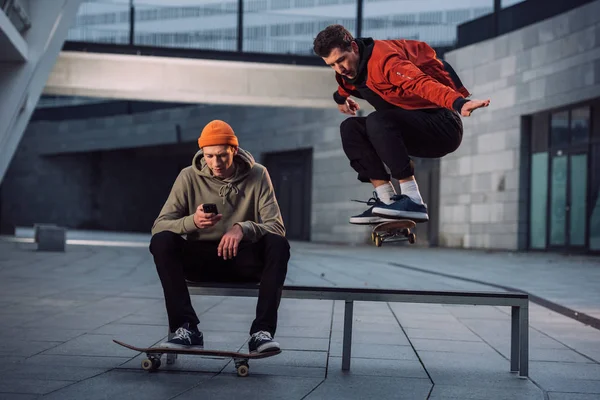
[185, 337]
[262, 342]
[367, 217]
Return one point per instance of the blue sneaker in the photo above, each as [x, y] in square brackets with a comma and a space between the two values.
[403, 207]
[367, 217]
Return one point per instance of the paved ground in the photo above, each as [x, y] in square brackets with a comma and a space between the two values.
[60, 312]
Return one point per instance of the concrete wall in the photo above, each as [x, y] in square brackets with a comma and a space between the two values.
[550, 64]
[115, 173]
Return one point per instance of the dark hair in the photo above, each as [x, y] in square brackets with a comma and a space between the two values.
[334, 36]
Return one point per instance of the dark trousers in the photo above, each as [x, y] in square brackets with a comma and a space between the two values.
[391, 136]
[177, 259]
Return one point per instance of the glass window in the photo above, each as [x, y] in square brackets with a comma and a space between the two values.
[281, 27]
[559, 136]
[508, 3]
[580, 125]
[431, 21]
[596, 121]
[595, 198]
[558, 200]
[195, 24]
[539, 200]
[539, 133]
[578, 199]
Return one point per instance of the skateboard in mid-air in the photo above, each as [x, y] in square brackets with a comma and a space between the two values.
[396, 231]
[153, 354]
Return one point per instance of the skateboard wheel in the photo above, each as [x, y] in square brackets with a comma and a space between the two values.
[151, 364]
[373, 237]
[406, 232]
[242, 370]
[147, 365]
[412, 238]
[378, 241]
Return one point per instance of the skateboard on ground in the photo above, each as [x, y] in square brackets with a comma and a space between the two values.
[153, 354]
[395, 231]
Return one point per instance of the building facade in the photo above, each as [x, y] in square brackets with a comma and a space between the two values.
[525, 177]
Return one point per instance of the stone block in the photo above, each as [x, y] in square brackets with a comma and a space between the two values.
[51, 238]
[36, 228]
[491, 142]
[498, 161]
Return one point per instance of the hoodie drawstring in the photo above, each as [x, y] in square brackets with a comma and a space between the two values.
[226, 189]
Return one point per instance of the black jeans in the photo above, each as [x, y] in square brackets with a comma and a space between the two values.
[177, 259]
[391, 136]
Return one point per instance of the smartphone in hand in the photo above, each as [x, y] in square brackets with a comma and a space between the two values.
[210, 208]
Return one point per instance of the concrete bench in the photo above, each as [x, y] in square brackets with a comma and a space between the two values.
[519, 303]
[50, 237]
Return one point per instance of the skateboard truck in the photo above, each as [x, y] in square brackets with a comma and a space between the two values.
[399, 230]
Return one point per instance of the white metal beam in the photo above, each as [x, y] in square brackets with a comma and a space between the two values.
[170, 79]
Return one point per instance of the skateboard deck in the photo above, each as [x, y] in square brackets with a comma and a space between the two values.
[395, 231]
[153, 354]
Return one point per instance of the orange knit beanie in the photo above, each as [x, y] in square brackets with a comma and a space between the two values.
[217, 133]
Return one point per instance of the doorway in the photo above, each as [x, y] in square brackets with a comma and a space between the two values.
[291, 174]
[561, 189]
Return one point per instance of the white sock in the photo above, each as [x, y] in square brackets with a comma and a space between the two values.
[411, 189]
[385, 193]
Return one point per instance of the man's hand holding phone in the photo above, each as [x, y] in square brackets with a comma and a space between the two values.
[206, 216]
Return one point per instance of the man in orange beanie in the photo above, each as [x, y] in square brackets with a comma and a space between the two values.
[225, 205]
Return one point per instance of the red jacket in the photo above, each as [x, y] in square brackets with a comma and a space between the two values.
[407, 74]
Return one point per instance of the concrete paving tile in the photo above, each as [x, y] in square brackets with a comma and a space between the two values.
[377, 367]
[77, 361]
[381, 351]
[473, 377]
[570, 371]
[16, 396]
[558, 384]
[17, 347]
[557, 355]
[452, 346]
[464, 362]
[31, 386]
[372, 338]
[415, 310]
[224, 340]
[241, 326]
[7, 359]
[158, 318]
[526, 391]
[293, 358]
[477, 312]
[259, 387]
[123, 384]
[442, 334]
[98, 345]
[124, 330]
[572, 396]
[40, 335]
[370, 387]
[299, 343]
[305, 332]
[49, 373]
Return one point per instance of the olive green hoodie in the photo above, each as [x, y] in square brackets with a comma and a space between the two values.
[247, 198]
